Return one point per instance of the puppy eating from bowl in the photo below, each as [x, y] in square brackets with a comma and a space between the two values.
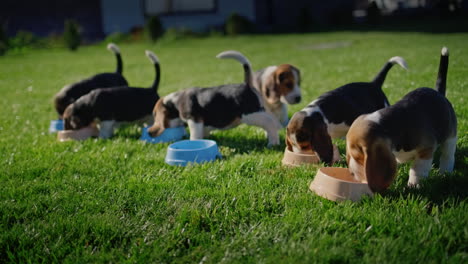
[221, 107]
[312, 129]
[113, 106]
[411, 129]
[70, 93]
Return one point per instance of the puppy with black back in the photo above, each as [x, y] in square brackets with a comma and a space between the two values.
[70, 93]
[409, 130]
[112, 106]
[221, 107]
[312, 129]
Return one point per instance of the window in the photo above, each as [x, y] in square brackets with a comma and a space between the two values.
[168, 7]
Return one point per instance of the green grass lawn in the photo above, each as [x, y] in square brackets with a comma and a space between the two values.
[117, 201]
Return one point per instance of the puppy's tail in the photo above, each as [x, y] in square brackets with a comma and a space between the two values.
[115, 49]
[232, 54]
[380, 78]
[443, 68]
[154, 59]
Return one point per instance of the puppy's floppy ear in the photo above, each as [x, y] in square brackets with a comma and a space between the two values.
[288, 143]
[322, 144]
[155, 130]
[319, 138]
[270, 89]
[160, 119]
[380, 165]
[67, 116]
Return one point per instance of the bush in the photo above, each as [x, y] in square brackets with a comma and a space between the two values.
[3, 41]
[3, 48]
[22, 41]
[154, 28]
[71, 34]
[237, 24]
[117, 37]
[173, 34]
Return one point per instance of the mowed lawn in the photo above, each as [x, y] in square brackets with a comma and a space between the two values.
[117, 201]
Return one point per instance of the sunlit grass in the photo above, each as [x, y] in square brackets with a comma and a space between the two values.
[116, 200]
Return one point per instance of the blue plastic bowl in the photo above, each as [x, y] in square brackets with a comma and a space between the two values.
[56, 125]
[169, 135]
[192, 151]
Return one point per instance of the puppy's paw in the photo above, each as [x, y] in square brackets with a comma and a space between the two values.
[413, 182]
[336, 154]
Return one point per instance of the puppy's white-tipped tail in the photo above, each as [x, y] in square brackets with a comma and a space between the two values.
[380, 78]
[232, 54]
[152, 57]
[445, 51]
[400, 61]
[114, 48]
[441, 82]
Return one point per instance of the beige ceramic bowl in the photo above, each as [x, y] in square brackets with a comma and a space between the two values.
[297, 159]
[337, 184]
[80, 134]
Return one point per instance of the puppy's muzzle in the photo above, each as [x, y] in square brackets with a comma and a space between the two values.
[297, 99]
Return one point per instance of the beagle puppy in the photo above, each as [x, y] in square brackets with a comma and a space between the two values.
[111, 106]
[70, 93]
[221, 107]
[330, 116]
[409, 130]
[279, 86]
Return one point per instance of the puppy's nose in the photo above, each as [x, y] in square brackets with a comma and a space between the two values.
[297, 99]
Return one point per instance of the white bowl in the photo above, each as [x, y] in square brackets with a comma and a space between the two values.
[297, 159]
[338, 184]
[80, 134]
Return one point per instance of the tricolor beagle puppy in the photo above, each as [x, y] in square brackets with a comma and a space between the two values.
[110, 106]
[70, 93]
[410, 129]
[221, 107]
[331, 115]
[279, 86]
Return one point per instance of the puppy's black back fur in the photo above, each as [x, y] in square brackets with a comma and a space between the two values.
[421, 110]
[119, 103]
[204, 104]
[71, 93]
[349, 101]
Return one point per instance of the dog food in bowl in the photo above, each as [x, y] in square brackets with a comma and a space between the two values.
[297, 159]
[169, 135]
[80, 134]
[56, 125]
[338, 184]
[184, 152]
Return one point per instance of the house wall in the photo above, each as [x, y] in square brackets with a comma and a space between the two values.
[206, 21]
[121, 15]
[286, 15]
[47, 17]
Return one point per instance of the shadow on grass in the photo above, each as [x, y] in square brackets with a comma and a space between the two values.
[441, 188]
[245, 144]
[242, 143]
